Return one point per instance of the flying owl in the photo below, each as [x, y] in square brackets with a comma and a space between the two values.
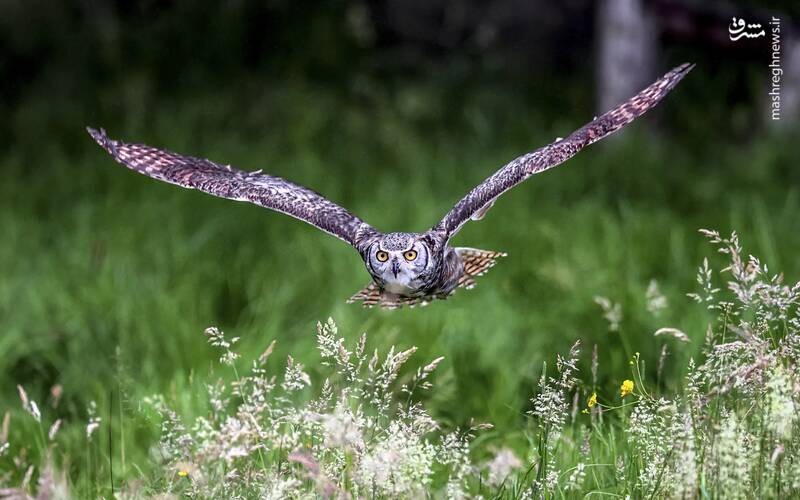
[406, 268]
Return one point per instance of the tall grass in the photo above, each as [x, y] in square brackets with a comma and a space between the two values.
[358, 428]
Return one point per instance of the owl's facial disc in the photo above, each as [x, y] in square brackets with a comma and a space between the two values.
[398, 260]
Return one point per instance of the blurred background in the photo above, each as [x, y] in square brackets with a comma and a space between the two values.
[394, 109]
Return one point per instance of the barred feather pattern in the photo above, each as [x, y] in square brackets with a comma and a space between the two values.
[480, 199]
[445, 268]
[227, 182]
[476, 263]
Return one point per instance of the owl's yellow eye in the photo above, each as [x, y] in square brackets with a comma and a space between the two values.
[410, 255]
[382, 256]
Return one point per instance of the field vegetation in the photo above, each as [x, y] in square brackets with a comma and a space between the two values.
[109, 280]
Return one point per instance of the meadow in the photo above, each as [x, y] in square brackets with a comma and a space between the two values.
[110, 279]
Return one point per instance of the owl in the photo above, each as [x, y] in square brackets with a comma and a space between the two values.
[406, 268]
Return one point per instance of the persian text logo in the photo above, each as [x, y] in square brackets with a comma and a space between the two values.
[739, 28]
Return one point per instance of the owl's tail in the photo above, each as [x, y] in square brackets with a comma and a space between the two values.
[371, 295]
[476, 263]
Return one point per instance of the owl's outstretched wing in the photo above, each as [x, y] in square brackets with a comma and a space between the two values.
[226, 182]
[475, 204]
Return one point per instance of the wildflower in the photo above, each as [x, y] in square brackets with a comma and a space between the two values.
[592, 400]
[550, 405]
[295, 378]
[217, 339]
[732, 453]
[503, 463]
[646, 430]
[342, 429]
[626, 388]
[709, 292]
[185, 469]
[400, 463]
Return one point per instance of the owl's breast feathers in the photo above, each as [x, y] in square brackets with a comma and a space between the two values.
[458, 269]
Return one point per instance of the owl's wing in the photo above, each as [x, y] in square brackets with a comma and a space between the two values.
[475, 204]
[226, 182]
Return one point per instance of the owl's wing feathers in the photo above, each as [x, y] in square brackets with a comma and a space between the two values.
[475, 204]
[226, 182]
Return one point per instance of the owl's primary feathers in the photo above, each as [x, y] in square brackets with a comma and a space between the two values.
[406, 268]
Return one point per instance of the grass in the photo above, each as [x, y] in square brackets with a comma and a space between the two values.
[108, 277]
[357, 428]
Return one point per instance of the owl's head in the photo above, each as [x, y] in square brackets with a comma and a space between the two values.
[397, 259]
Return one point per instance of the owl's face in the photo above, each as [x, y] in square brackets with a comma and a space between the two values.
[398, 259]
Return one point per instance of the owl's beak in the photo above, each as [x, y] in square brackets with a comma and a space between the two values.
[395, 268]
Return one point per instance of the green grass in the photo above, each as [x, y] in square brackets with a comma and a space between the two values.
[109, 278]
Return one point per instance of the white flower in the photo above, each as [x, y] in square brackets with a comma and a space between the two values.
[342, 429]
[399, 465]
[503, 463]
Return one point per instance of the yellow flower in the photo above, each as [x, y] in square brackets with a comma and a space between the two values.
[626, 388]
[184, 469]
[592, 400]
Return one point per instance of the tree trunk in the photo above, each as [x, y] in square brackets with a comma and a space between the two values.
[626, 41]
[790, 91]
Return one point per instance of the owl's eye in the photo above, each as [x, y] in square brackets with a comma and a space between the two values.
[382, 256]
[410, 255]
